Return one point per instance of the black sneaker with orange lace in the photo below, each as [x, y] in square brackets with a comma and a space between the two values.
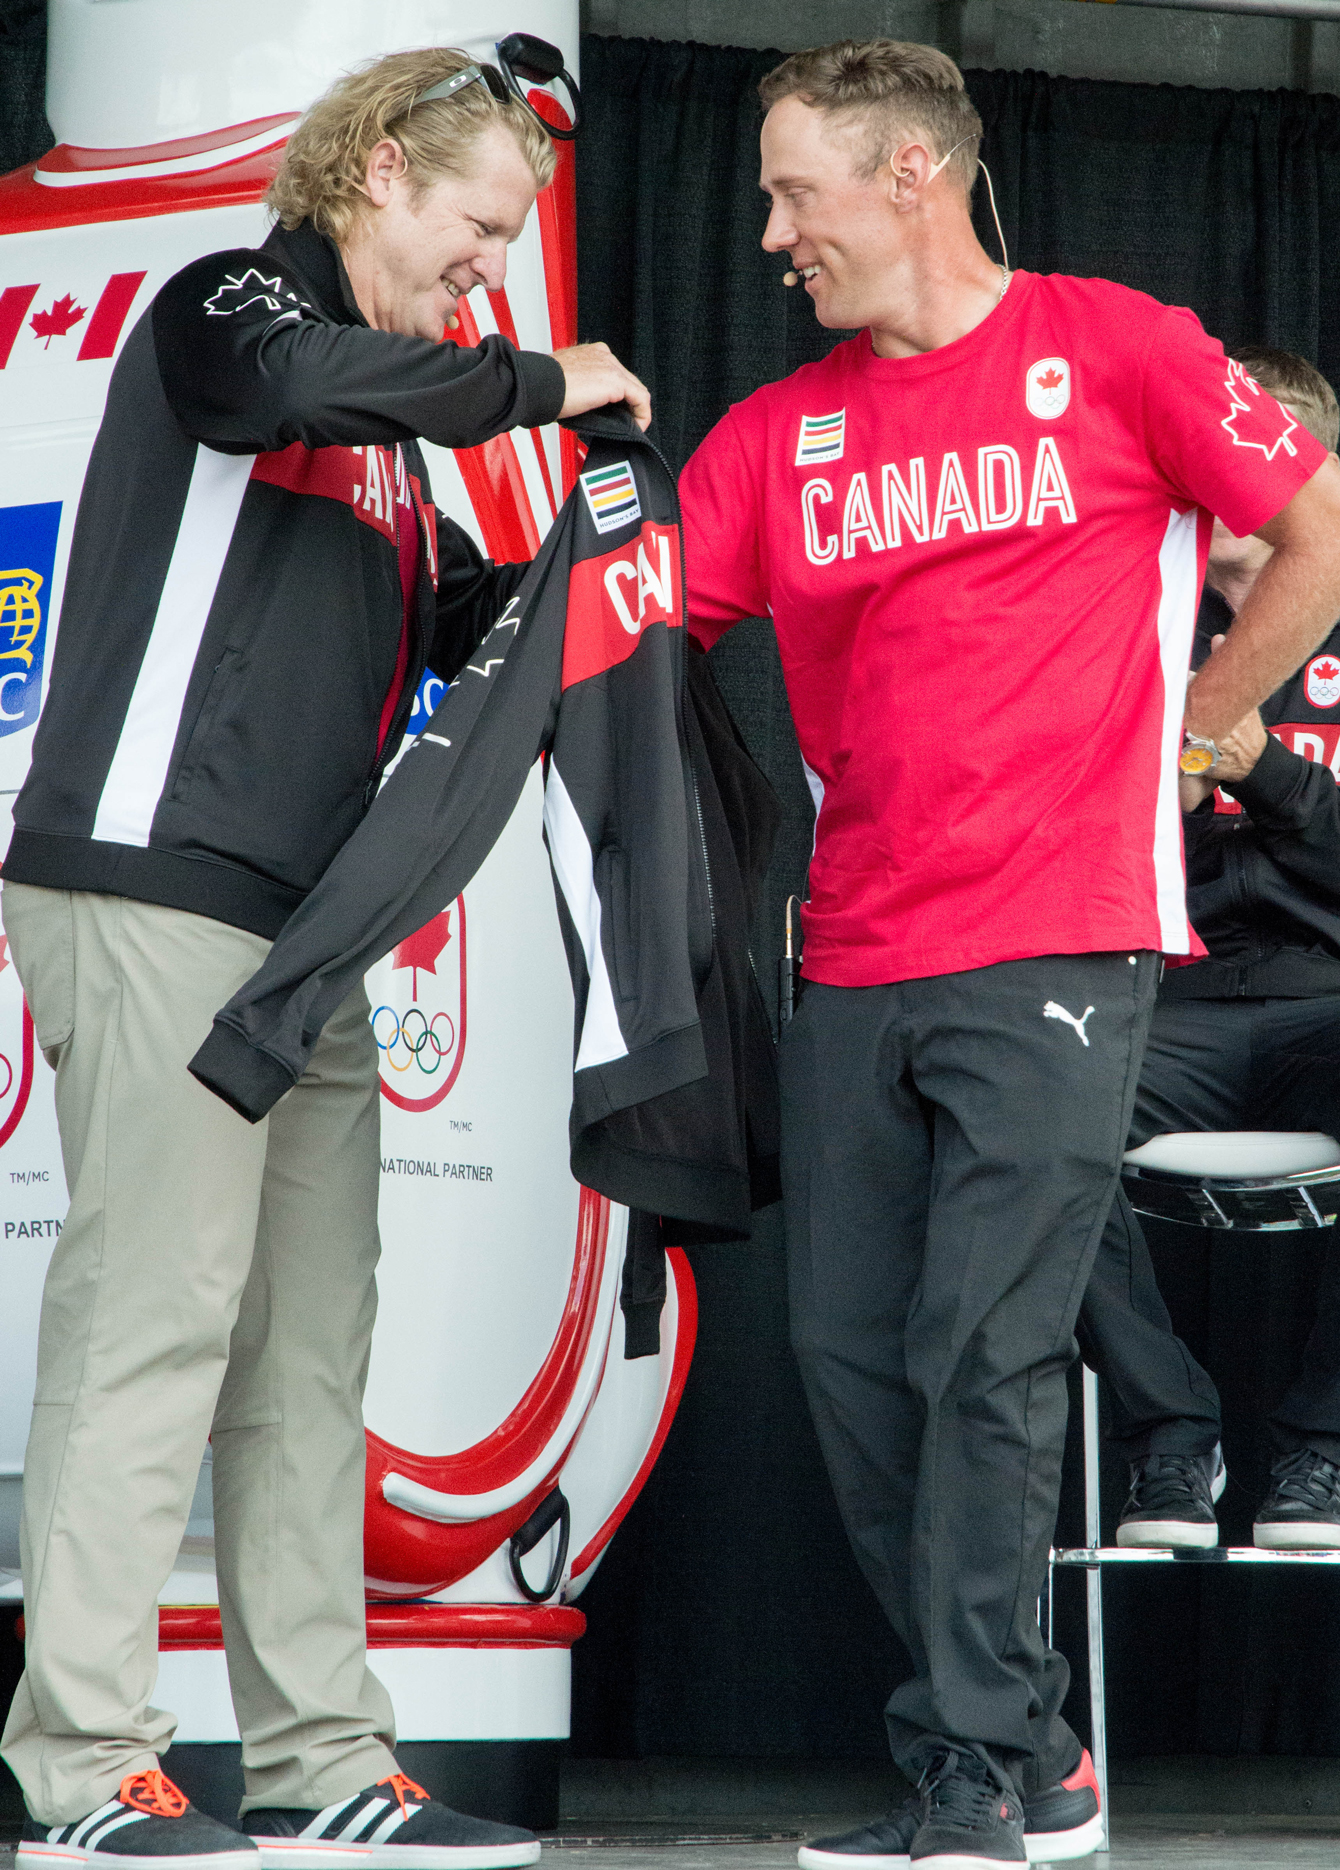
[393, 1825]
[149, 1825]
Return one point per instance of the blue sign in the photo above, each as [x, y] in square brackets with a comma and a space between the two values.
[431, 690]
[27, 560]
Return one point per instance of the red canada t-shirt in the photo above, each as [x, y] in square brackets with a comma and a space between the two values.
[983, 564]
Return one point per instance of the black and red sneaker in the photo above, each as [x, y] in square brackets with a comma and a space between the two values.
[883, 1844]
[1066, 1820]
[149, 1825]
[971, 1815]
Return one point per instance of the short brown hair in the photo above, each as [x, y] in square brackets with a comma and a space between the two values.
[1293, 380]
[892, 90]
[321, 176]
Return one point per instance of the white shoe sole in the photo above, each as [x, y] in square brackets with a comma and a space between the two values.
[955, 1860]
[810, 1859]
[48, 1856]
[1056, 1847]
[1165, 1533]
[305, 1854]
[1291, 1537]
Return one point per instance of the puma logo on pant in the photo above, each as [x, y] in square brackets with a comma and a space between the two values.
[1053, 1010]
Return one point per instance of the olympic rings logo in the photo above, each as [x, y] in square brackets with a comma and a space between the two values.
[425, 1045]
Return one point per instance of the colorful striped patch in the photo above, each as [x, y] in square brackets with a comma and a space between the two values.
[611, 495]
[821, 438]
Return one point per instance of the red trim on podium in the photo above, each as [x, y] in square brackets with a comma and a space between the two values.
[686, 1294]
[26, 206]
[409, 1626]
[70, 159]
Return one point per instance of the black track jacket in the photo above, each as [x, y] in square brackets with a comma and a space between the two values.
[233, 608]
[658, 827]
[1263, 884]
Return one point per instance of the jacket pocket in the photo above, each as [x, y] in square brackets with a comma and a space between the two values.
[225, 672]
[616, 918]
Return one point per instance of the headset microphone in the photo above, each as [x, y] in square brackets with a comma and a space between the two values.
[790, 279]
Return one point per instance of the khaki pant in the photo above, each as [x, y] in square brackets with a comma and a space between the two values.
[213, 1278]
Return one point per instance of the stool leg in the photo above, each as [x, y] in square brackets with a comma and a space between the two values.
[1093, 1585]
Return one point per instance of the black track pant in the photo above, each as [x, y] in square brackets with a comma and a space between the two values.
[1215, 1065]
[950, 1151]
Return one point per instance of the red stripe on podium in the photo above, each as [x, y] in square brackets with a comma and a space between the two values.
[109, 314]
[14, 303]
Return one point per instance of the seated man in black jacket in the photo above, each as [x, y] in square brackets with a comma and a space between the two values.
[1246, 1039]
[257, 579]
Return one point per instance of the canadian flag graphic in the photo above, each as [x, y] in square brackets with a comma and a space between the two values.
[34, 316]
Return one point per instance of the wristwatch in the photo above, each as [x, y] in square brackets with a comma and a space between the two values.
[1197, 755]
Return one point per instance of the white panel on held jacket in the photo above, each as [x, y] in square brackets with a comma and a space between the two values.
[570, 849]
[439, 1693]
[153, 71]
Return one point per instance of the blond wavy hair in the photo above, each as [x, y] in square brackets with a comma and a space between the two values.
[322, 174]
[888, 90]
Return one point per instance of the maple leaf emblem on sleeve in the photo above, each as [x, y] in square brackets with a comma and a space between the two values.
[57, 320]
[1327, 670]
[419, 952]
[1255, 419]
[252, 288]
[1050, 380]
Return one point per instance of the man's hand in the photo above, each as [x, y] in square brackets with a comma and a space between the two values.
[596, 377]
[1291, 607]
[1239, 751]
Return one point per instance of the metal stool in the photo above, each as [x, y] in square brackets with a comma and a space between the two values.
[1253, 1181]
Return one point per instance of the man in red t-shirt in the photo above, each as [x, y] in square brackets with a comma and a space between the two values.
[980, 528]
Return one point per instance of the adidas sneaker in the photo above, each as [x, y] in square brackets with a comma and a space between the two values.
[149, 1825]
[393, 1825]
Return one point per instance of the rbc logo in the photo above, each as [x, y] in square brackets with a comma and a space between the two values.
[27, 559]
[430, 691]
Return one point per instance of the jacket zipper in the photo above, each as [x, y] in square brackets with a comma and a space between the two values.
[393, 740]
[693, 777]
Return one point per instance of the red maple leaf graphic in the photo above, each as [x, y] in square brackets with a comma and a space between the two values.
[1326, 671]
[1051, 381]
[419, 951]
[58, 320]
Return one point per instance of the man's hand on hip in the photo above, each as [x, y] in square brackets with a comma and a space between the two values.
[1239, 751]
[1290, 608]
[596, 377]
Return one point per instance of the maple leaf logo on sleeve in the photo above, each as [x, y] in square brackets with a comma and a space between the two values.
[419, 952]
[253, 288]
[58, 319]
[1255, 419]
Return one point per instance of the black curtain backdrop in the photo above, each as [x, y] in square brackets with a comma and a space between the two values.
[729, 1617]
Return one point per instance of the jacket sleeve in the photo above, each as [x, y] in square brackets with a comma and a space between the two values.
[1294, 807]
[472, 593]
[248, 366]
[430, 828]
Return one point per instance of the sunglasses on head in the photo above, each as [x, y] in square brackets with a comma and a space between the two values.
[521, 55]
